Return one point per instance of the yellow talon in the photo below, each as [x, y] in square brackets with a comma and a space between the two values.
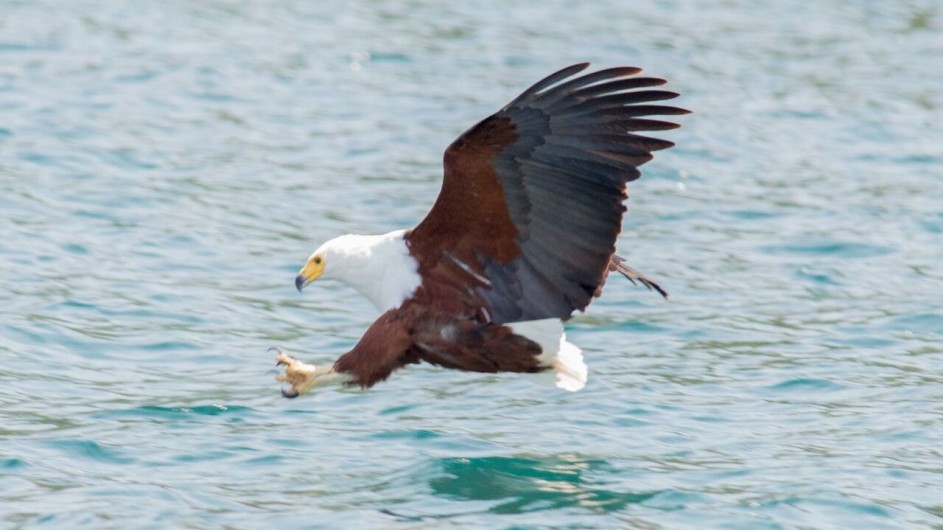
[300, 375]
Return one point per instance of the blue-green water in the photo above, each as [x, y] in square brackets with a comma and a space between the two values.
[165, 168]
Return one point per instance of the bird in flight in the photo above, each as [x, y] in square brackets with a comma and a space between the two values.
[521, 236]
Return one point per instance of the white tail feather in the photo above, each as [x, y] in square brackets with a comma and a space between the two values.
[564, 357]
[568, 363]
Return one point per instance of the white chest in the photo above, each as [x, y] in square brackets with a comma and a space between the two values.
[379, 267]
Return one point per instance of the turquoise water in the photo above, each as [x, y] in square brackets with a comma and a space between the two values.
[166, 167]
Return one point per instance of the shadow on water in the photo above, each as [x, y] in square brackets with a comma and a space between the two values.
[530, 484]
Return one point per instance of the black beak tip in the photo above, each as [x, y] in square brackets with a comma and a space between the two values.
[300, 282]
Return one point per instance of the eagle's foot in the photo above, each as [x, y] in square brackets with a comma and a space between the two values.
[300, 375]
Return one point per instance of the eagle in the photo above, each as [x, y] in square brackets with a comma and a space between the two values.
[521, 236]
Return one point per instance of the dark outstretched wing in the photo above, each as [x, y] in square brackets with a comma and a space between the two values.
[531, 203]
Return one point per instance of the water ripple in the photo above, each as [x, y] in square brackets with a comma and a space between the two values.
[160, 184]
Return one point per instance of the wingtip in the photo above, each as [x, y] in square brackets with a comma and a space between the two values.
[567, 72]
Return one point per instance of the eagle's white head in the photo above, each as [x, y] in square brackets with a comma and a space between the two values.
[379, 267]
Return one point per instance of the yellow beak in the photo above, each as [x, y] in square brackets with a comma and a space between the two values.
[312, 270]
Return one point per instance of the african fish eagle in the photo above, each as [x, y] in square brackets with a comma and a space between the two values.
[522, 234]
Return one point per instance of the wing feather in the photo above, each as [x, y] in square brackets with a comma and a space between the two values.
[533, 196]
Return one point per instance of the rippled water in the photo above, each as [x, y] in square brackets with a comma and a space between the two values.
[166, 167]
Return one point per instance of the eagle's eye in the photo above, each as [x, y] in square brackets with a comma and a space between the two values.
[317, 260]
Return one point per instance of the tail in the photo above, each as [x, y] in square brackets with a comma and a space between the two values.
[564, 357]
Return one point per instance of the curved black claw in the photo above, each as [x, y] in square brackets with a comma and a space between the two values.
[277, 350]
[290, 394]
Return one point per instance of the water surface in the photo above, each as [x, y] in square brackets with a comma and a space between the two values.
[165, 168]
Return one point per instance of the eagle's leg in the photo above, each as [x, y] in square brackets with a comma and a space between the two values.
[300, 375]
